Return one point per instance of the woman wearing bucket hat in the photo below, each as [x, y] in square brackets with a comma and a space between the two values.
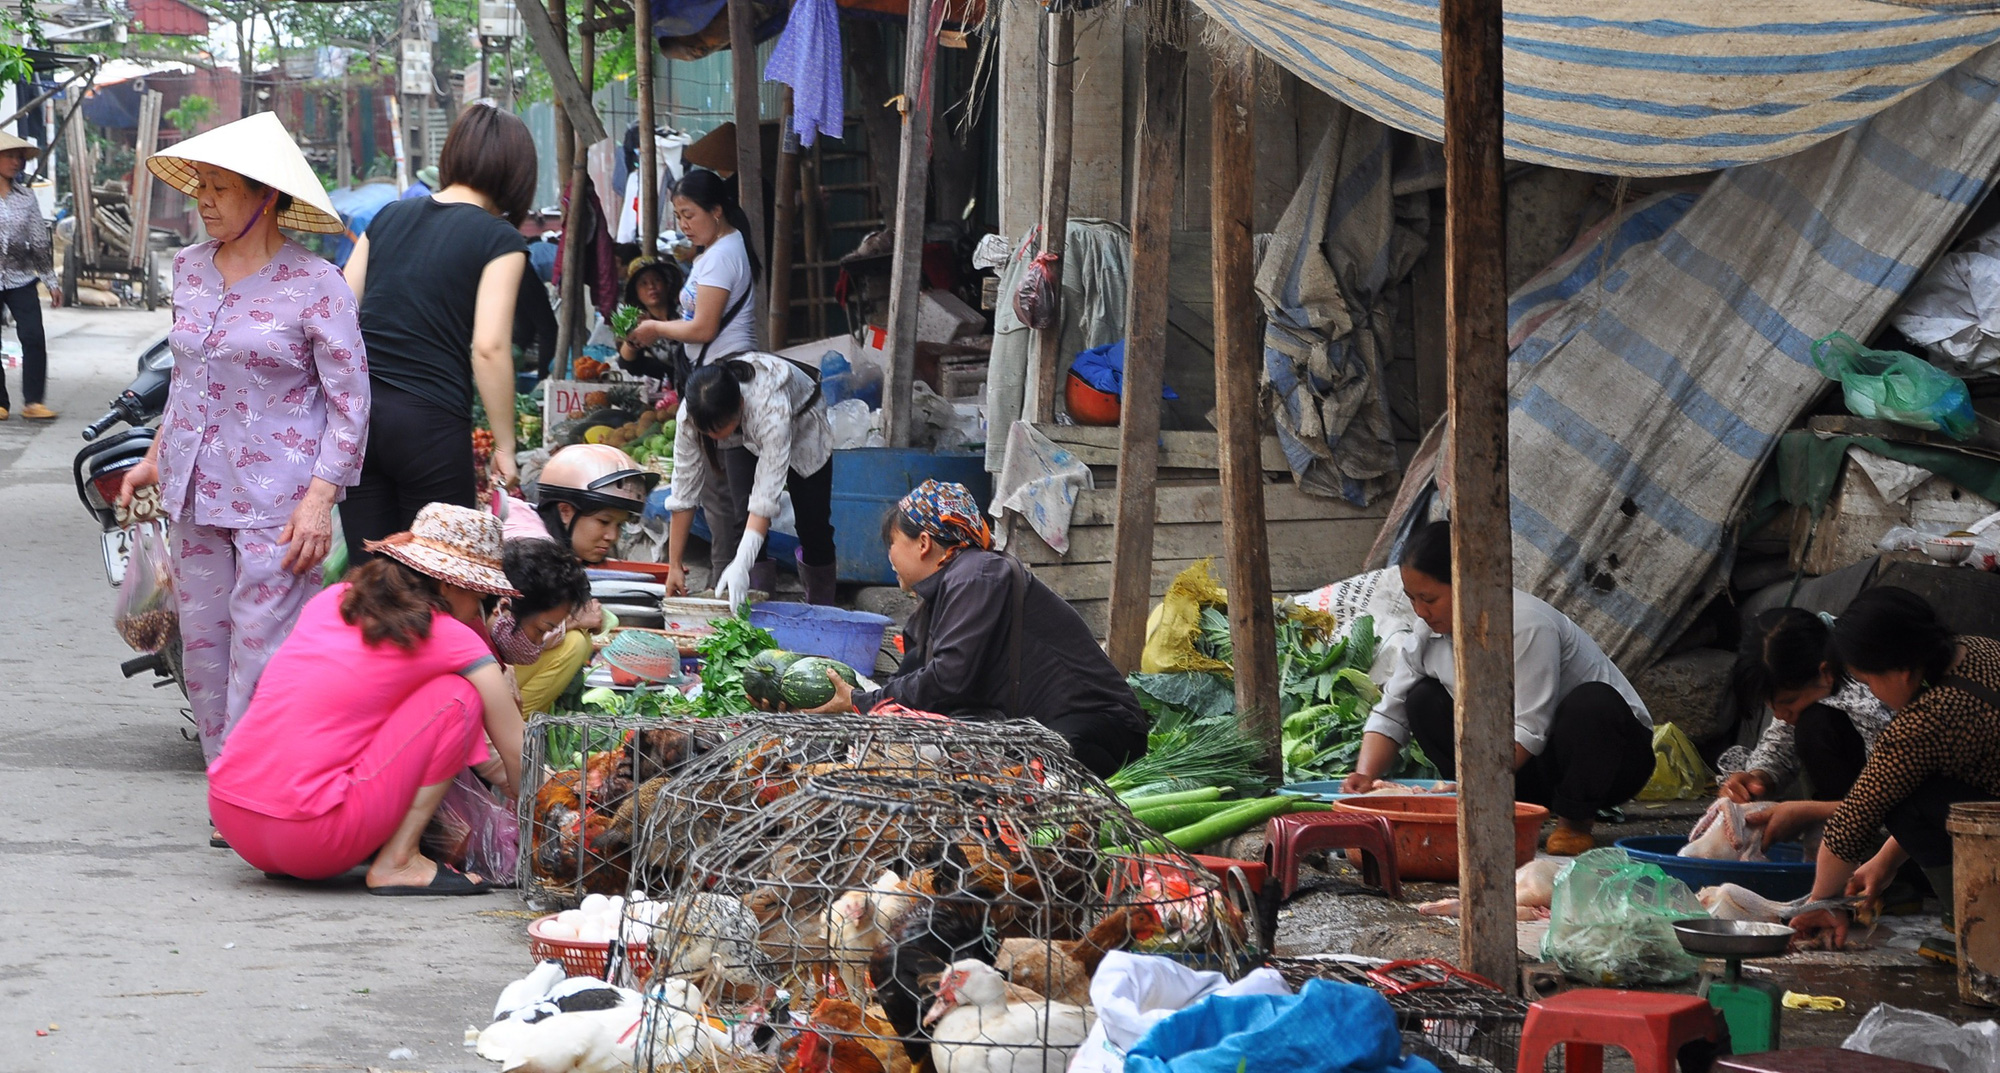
[380, 697]
[652, 287]
[267, 415]
[438, 278]
[26, 258]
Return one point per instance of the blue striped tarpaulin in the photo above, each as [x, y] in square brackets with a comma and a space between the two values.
[1643, 410]
[1632, 89]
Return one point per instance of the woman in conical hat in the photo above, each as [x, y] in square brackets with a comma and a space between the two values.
[267, 415]
[26, 258]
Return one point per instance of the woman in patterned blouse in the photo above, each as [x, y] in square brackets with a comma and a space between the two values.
[267, 415]
[25, 259]
[1942, 747]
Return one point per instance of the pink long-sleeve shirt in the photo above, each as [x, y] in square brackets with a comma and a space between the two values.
[270, 389]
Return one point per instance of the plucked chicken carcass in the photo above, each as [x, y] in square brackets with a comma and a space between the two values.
[1534, 890]
[1724, 833]
[1062, 970]
[1731, 902]
[976, 1028]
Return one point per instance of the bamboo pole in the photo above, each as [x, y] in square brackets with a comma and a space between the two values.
[1059, 130]
[784, 229]
[649, 150]
[1482, 555]
[1155, 162]
[749, 136]
[1238, 383]
[912, 193]
[142, 179]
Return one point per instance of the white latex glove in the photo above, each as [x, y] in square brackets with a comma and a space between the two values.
[735, 584]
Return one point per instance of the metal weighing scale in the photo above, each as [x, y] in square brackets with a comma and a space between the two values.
[1749, 1009]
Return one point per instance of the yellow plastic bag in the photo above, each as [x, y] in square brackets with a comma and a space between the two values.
[1678, 771]
[1174, 624]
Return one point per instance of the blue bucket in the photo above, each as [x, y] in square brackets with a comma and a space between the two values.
[852, 637]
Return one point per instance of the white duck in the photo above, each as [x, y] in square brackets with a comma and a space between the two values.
[976, 1029]
[529, 989]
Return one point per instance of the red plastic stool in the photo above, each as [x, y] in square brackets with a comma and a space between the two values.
[1289, 838]
[1652, 1027]
[1817, 1060]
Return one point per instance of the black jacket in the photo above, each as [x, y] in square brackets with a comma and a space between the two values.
[956, 660]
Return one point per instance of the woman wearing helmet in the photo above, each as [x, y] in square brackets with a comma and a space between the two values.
[588, 492]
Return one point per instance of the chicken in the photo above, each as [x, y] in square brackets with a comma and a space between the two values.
[856, 1043]
[975, 1028]
[1534, 889]
[573, 810]
[858, 921]
[924, 943]
[1062, 970]
[664, 751]
[1731, 902]
[707, 935]
[1724, 834]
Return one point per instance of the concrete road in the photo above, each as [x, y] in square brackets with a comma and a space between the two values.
[121, 932]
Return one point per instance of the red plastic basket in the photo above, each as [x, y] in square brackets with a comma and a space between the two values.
[580, 958]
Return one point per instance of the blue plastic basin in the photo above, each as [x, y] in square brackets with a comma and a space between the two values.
[1787, 875]
[852, 637]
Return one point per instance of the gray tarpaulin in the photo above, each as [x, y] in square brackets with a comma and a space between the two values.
[1644, 409]
[1343, 244]
[1097, 265]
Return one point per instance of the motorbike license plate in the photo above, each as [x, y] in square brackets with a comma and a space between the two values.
[117, 546]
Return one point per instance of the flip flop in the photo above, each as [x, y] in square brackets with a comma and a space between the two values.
[216, 841]
[447, 883]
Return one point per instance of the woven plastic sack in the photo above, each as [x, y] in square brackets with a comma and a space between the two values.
[1894, 386]
[1611, 922]
[1037, 302]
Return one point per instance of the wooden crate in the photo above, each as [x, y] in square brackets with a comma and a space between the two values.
[1313, 541]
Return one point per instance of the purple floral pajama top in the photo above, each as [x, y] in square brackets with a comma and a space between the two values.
[270, 389]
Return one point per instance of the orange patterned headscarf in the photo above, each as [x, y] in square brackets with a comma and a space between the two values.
[949, 513]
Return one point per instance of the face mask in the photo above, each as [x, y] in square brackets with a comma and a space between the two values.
[514, 644]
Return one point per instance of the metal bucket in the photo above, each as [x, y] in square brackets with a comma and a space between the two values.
[1975, 869]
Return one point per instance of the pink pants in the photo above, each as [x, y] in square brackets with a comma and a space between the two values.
[237, 603]
[426, 741]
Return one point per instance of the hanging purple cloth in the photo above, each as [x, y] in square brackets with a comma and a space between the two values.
[807, 58]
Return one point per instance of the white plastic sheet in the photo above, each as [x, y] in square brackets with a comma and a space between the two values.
[1134, 992]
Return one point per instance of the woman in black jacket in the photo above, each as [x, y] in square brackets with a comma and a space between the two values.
[992, 642]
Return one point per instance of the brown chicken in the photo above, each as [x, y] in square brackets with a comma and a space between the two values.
[858, 1042]
[1062, 971]
[572, 811]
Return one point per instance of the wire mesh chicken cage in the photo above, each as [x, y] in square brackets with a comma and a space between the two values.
[577, 802]
[947, 910]
[1457, 1021]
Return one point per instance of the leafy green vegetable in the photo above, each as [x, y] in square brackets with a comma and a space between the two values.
[724, 654]
[624, 319]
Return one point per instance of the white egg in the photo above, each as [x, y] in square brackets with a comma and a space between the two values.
[570, 917]
[593, 903]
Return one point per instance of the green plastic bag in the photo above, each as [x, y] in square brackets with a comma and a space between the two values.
[334, 566]
[1611, 922]
[1895, 386]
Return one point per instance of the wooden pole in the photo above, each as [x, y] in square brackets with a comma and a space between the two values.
[1059, 130]
[1238, 394]
[142, 178]
[749, 136]
[1155, 162]
[809, 217]
[649, 150]
[1482, 552]
[783, 229]
[83, 199]
[570, 289]
[912, 190]
[551, 37]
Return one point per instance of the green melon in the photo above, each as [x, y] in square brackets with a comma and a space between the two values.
[806, 685]
[764, 675]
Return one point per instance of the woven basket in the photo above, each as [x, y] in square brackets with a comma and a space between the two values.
[580, 958]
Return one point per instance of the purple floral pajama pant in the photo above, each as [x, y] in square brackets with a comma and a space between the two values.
[237, 604]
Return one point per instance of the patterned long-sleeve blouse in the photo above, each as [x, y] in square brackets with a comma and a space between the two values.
[1946, 731]
[270, 389]
[1777, 751]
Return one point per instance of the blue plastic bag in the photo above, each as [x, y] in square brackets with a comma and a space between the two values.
[1103, 368]
[1327, 1028]
[1895, 386]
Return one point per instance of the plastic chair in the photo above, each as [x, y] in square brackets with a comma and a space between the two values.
[1287, 839]
[1818, 1060]
[1650, 1026]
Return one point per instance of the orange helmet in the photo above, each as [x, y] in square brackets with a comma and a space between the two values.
[596, 476]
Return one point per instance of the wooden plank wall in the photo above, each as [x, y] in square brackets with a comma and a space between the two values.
[1313, 541]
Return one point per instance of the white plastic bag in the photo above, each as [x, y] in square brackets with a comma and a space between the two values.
[850, 419]
[1134, 992]
[1927, 1039]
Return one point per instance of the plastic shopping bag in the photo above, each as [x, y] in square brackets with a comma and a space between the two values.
[1679, 774]
[475, 831]
[145, 615]
[1037, 303]
[1611, 922]
[1895, 386]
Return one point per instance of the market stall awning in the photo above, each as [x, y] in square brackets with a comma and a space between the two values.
[1632, 89]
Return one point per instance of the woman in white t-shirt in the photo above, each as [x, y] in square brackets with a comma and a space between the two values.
[718, 320]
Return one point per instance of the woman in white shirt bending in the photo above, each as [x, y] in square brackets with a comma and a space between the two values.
[1583, 739]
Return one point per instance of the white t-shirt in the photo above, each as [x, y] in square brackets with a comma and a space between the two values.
[724, 265]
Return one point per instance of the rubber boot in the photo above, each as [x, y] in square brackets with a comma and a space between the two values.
[819, 583]
[1940, 880]
[764, 577]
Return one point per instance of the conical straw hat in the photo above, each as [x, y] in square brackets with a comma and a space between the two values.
[8, 141]
[258, 147]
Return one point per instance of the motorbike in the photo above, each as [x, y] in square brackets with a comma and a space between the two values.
[100, 468]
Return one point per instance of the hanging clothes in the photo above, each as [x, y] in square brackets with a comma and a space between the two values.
[599, 261]
[807, 58]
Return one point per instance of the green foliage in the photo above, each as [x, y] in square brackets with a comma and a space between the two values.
[192, 112]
